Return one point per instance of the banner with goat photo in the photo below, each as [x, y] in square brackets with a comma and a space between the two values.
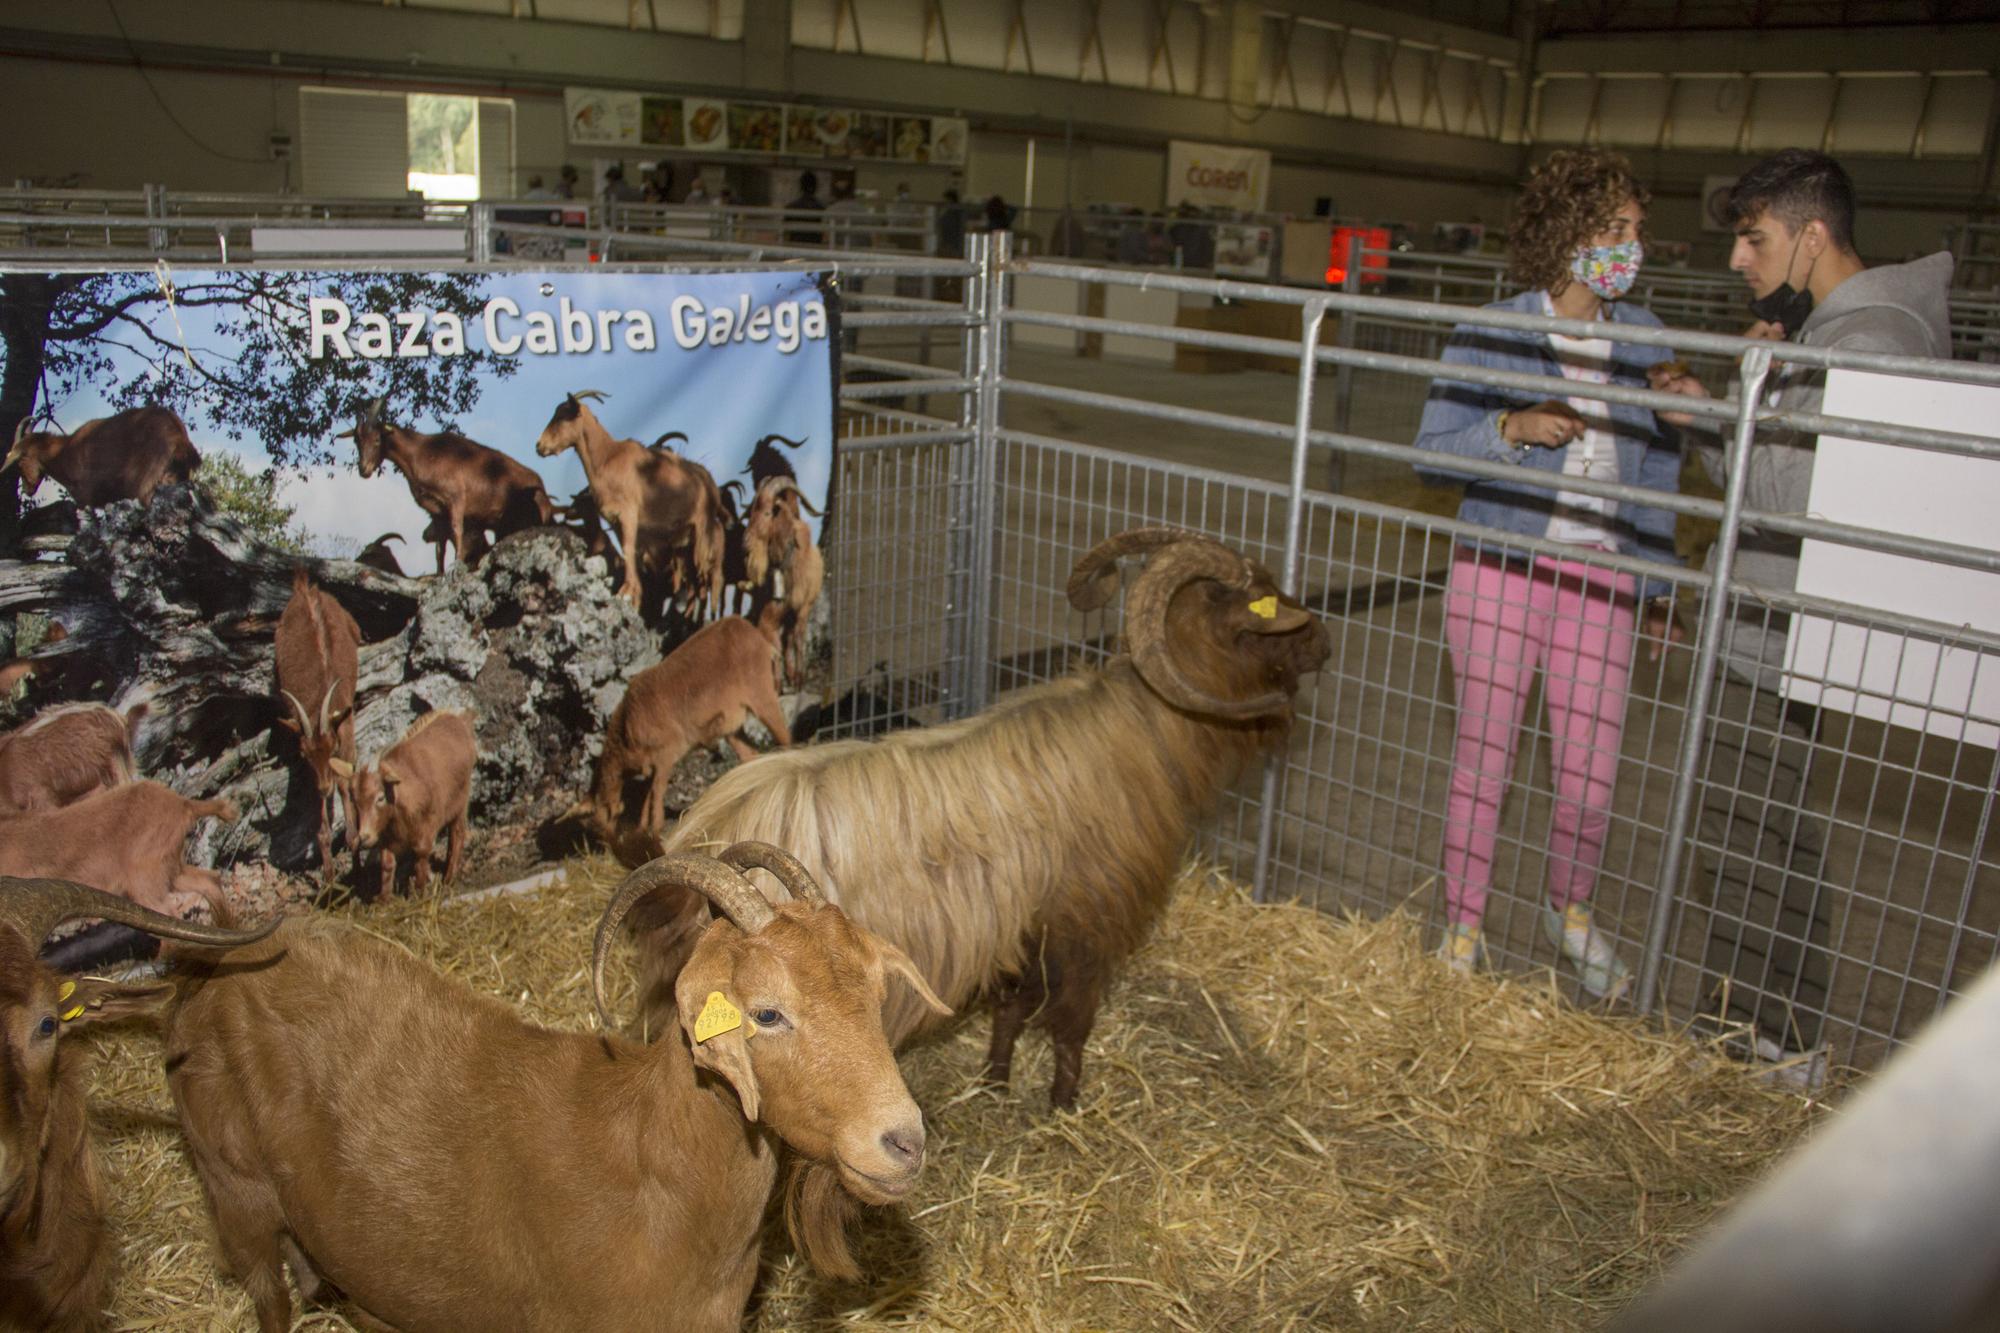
[263, 531]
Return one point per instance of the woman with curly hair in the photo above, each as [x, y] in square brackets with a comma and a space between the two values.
[1576, 244]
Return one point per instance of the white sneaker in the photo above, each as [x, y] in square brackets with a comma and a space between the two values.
[1597, 964]
[1464, 948]
[1800, 1071]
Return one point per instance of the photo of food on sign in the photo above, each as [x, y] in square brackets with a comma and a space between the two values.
[597, 116]
[462, 513]
[660, 120]
[948, 141]
[707, 123]
[802, 129]
[833, 127]
[756, 127]
[870, 135]
[913, 139]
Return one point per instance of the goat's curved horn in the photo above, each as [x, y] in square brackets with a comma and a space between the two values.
[779, 485]
[305, 718]
[733, 896]
[786, 868]
[38, 906]
[1094, 579]
[598, 394]
[680, 435]
[375, 406]
[1167, 573]
[326, 705]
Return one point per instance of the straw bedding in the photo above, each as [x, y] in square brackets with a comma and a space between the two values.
[1288, 1122]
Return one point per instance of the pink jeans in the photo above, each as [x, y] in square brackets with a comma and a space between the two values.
[1504, 620]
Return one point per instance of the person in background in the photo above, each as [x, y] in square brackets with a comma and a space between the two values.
[537, 190]
[951, 226]
[843, 215]
[1576, 244]
[1761, 839]
[808, 201]
[999, 217]
[566, 178]
[659, 187]
[616, 189]
[698, 195]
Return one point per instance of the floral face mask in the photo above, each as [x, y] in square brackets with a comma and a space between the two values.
[1608, 270]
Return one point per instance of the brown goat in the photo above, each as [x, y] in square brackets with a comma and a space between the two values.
[65, 753]
[654, 497]
[377, 555]
[127, 840]
[467, 487]
[318, 654]
[126, 456]
[1027, 851]
[422, 785]
[55, 1258]
[493, 1174]
[703, 692]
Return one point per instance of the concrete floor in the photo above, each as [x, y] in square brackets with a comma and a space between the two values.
[1361, 804]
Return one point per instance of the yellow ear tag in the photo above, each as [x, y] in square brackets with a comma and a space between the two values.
[72, 1013]
[67, 989]
[1265, 608]
[717, 1016]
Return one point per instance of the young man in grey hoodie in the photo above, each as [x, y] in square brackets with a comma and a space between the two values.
[1761, 846]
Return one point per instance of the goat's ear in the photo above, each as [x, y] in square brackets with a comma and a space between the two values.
[897, 963]
[389, 776]
[290, 724]
[94, 1000]
[341, 768]
[718, 1044]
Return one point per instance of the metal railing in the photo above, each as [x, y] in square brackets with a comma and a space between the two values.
[968, 482]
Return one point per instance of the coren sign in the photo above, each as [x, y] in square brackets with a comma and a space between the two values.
[1214, 176]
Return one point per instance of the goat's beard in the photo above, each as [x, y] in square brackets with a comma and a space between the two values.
[817, 1211]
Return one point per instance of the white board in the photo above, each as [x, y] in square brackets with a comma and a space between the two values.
[1915, 683]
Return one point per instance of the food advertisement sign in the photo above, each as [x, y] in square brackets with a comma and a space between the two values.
[756, 127]
[497, 499]
[661, 121]
[948, 139]
[597, 116]
[707, 123]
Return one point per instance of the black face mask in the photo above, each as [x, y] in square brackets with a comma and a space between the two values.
[1785, 306]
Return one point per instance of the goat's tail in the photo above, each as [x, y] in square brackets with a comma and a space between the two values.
[223, 809]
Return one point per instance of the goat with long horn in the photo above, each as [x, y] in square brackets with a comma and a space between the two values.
[1026, 852]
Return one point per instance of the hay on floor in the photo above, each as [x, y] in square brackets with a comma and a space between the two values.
[1288, 1121]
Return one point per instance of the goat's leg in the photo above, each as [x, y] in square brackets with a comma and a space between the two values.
[205, 884]
[454, 847]
[325, 839]
[1019, 999]
[314, 1289]
[1076, 990]
[741, 746]
[247, 1227]
[628, 541]
[420, 871]
[654, 817]
[385, 866]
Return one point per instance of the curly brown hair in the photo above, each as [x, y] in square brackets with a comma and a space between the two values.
[1570, 198]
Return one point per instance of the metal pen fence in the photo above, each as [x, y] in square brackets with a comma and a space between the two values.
[1904, 903]
[954, 531]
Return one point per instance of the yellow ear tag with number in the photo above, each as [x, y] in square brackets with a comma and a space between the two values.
[1265, 608]
[717, 1016]
[63, 992]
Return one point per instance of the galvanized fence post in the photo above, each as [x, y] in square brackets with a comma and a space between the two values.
[1343, 380]
[1756, 366]
[986, 457]
[481, 218]
[1290, 573]
[962, 607]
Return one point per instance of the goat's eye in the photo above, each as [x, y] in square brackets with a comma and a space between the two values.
[47, 1027]
[767, 1018]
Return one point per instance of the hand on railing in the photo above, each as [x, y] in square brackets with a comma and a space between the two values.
[1552, 424]
[1675, 377]
[1770, 329]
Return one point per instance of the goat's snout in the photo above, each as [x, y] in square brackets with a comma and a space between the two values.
[904, 1145]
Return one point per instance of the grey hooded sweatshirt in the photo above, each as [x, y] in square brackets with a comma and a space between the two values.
[1902, 309]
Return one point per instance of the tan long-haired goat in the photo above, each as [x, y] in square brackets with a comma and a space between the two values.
[1026, 852]
[446, 1165]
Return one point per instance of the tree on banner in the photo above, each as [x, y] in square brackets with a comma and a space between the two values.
[58, 331]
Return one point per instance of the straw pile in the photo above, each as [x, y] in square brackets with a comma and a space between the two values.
[1289, 1122]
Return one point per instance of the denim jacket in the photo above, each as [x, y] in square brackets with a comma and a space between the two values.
[1462, 419]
